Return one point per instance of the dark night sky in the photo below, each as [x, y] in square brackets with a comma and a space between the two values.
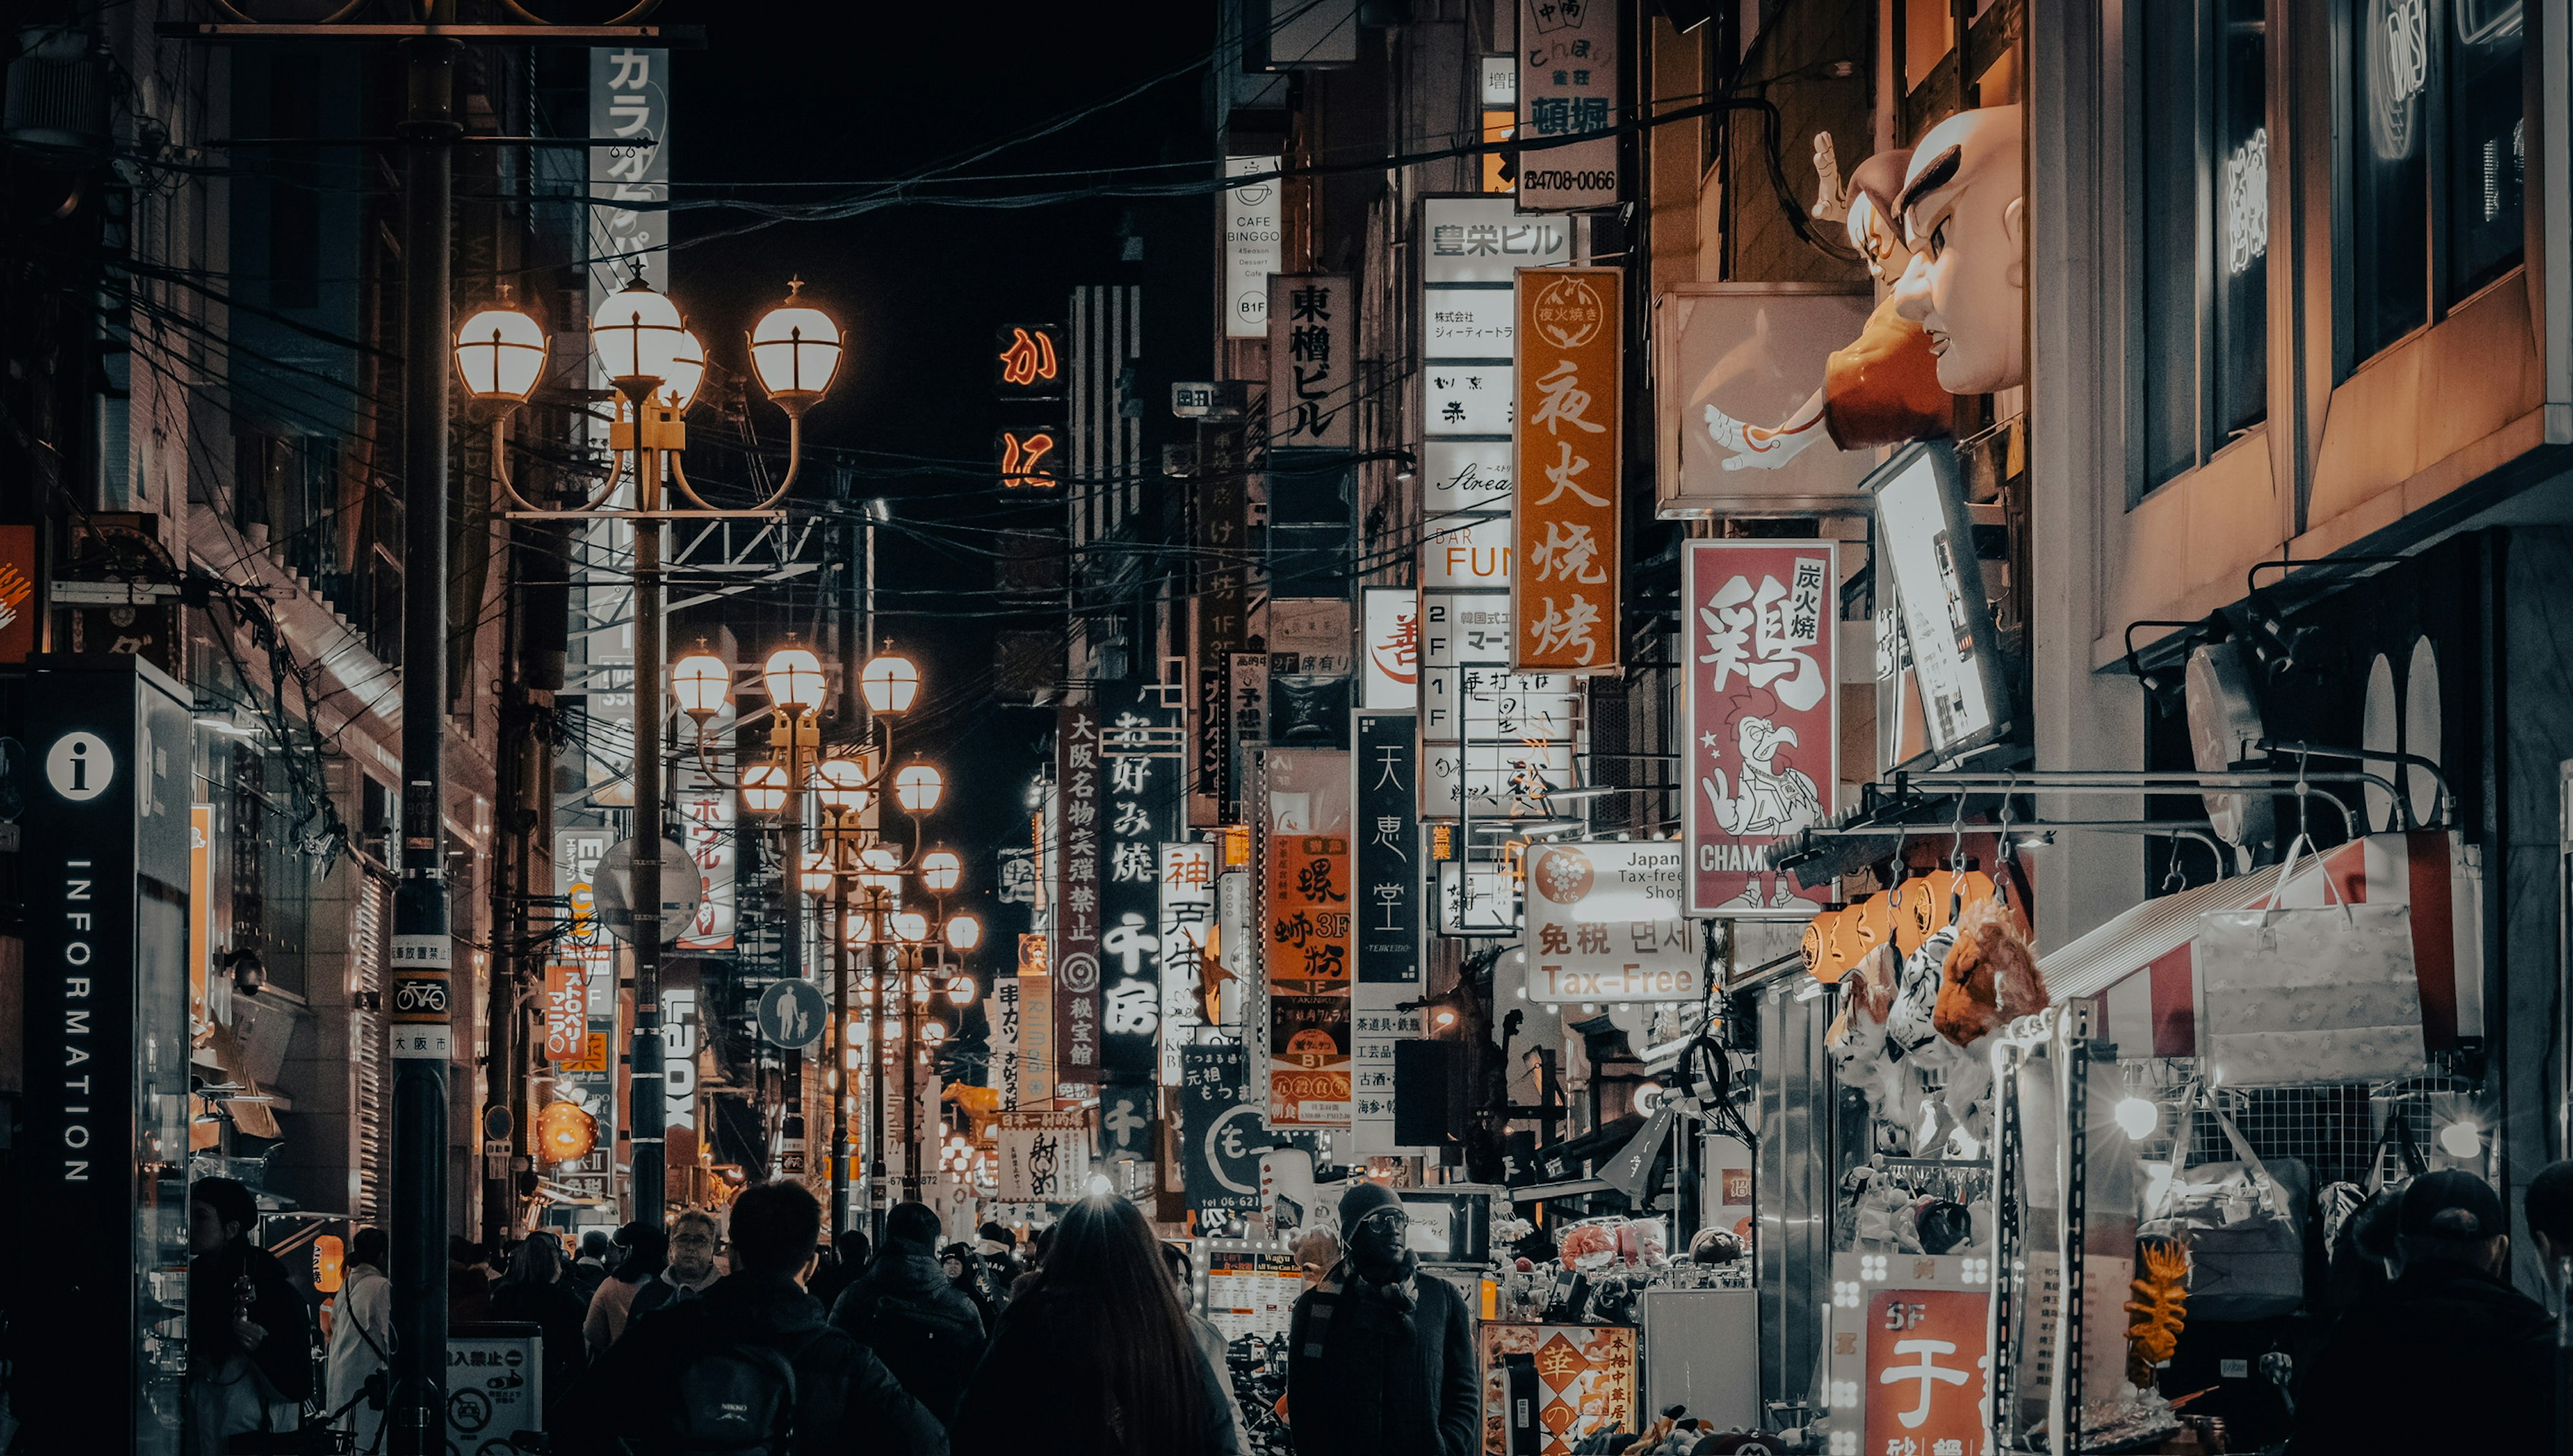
[808, 93]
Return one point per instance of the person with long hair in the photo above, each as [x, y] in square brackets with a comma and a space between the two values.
[647, 1251]
[1096, 1357]
[535, 1291]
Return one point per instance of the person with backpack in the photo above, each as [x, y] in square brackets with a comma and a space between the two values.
[902, 1307]
[1096, 1358]
[751, 1367]
[362, 1336]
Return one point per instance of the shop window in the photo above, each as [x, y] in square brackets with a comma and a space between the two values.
[2202, 159]
[2438, 148]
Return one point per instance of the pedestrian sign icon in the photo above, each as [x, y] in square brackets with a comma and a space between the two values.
[792, 1015]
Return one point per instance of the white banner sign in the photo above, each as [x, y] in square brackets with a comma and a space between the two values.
[1604, 922]
[1188, 912]
[1044, 1157]
[1254, 232]
[1390, 654]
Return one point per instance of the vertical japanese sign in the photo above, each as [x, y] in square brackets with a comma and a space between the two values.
[1220, 519]
[707, 815]
[1220, 1139]
[629, 181]
[1389, 652]
[1564, 592]
[1386, 889]
[1567, 87]
[1313, 362]
[628, 237]
[1387, 864]
[1254, 234]
[1307, 942]
[1135, 811]
[1761, 715]
[1036, 1023]
[567, 1011]
[1002, 1011]
[1477, 251]
[1188, 915]
[1078, 772]
[589, 1079]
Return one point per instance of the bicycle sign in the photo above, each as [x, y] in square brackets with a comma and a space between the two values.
[419, 995]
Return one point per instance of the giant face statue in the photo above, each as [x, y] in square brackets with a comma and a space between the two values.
[1963, 208]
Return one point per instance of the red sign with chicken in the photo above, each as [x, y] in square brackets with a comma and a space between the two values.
[1759, 642]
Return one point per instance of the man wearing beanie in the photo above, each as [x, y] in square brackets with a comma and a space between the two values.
[1381, 1356]
[2449, 1348]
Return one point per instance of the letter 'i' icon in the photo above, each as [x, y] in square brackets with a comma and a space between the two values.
[79, 767]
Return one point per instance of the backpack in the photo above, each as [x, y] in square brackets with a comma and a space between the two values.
[728, 1397]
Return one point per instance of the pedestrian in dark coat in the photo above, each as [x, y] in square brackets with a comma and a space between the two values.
[846, 1402]
[2449, 1349]
[536, 1291]
[1380, 1357]
[249, 1334]
[904, 1309]
[1095, 1358]
[590, 1271]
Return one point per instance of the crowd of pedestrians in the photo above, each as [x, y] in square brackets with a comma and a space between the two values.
[757, 1338]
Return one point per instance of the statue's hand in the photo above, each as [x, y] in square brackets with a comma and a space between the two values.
[1830, 198]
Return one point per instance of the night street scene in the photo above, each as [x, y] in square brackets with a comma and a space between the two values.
[1287, 728]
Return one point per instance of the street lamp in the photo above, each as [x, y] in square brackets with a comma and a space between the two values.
[940, 869]
[964, 931]
[501, 354]
[795, 349]
[794, 678]
[645, 346]
[890, 683]
[701, 682]
[918, 787]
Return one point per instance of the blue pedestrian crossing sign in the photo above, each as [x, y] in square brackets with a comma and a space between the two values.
[792, 1013]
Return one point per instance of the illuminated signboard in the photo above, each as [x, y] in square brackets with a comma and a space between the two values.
[1026, 457]
[1028, 361]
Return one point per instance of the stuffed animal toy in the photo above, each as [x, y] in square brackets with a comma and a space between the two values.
[1857, 1038]
[1913, 1040]
[1988, 978]
[1991, 977]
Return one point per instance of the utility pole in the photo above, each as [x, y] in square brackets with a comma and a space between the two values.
[422, 947]
[648, 1056]
[423, 953]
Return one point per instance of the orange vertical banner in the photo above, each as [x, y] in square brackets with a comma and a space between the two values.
[1565, 483]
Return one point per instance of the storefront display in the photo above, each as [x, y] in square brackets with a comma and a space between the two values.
[1585, 1382]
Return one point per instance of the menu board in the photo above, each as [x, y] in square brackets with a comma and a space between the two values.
[1251, 1291]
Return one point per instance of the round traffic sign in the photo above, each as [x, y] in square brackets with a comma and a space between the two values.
[792, 1013]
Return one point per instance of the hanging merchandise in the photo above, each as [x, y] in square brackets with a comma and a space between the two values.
[2242, 1224]
[2309, 995]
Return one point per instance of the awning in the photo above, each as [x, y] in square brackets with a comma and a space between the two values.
[2138, 967]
